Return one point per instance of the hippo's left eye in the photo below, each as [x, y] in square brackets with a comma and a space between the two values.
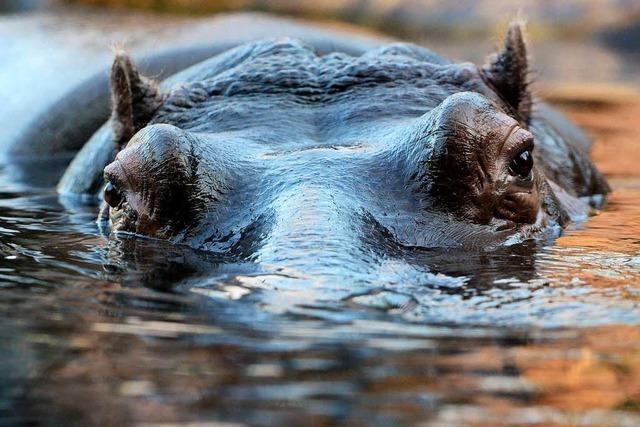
[522, 164]
[112, 196]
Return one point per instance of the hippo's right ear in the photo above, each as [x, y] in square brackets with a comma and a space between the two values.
[134, 99]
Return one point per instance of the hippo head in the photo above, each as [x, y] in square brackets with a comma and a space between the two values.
[273, 152]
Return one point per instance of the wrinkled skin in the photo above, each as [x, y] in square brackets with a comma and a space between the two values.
[275, 154]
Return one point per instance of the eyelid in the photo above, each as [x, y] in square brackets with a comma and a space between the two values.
[513, 129]
[117, 175]
[519, 140]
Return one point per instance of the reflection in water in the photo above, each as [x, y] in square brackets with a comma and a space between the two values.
[139, 331]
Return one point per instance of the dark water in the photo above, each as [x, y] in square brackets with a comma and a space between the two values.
[135, 332]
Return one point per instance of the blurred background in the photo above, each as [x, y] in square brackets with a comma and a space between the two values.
[592, 40]
[581, 48]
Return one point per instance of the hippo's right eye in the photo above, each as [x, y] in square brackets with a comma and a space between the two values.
[112, 196]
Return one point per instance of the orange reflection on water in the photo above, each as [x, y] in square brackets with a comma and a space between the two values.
[605, 252]
[594, 378]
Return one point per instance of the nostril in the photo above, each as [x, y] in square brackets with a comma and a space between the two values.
[112, 196]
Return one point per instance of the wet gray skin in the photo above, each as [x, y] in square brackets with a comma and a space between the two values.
[274, 154]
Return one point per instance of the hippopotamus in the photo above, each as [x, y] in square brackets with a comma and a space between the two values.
[273, 152]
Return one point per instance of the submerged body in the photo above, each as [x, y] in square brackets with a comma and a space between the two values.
[272, 153]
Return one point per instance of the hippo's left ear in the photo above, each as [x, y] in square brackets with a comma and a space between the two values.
[507, 71]
[134, 99]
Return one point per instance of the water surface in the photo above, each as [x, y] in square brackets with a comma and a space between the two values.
[134, 332]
